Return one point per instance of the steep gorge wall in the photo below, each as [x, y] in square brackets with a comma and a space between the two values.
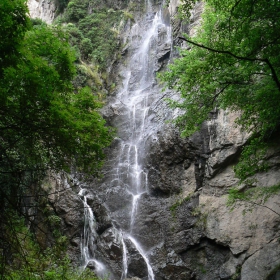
[43, 9]
[183, 222]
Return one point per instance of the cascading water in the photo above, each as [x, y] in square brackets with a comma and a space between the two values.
[88, 239]
[128, 172]
[125, 184]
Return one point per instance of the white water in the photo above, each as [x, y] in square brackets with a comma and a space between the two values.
[134, 209]
[88, 239]
[139, 79]
[128, 171]
[125, 268]
[144, 255]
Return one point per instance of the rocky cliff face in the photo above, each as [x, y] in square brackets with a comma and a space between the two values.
[159, 212]
[183, 222]
[43, 9]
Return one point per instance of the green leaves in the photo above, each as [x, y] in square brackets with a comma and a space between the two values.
[93, 32]
[39, 105]
[44, 124]
[14, 23]
[32, 262]
[234, 62]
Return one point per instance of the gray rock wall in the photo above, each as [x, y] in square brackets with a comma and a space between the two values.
[43, 9]
[183, 220]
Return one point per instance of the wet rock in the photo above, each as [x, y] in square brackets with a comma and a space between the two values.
[205, 259]
[164, 47]
[164, 52]
[91, 265]
[136, 264]
[110, 247]
[168, 155]
[76, 241]
[102, 217]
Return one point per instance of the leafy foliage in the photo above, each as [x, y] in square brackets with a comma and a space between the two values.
[38, 108]
[93, 27]
[185, 8]
[234, 63]
[13, 25]
[92, 30]
[251, 161]
[60, 5]
[31, 262]
[44, 122]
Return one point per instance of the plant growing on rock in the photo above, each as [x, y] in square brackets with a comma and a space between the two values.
[253, 197]
[173, 208]
[232, 62]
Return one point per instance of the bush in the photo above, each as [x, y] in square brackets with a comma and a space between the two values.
[86, 47]
[75, 11]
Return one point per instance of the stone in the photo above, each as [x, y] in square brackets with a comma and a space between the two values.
[42, 9]
[262, 263]
[110, 247]
[181, 219]
[164, 51]
[136, 264]
[91, 265]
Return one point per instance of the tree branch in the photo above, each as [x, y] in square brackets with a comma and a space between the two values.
[273, 72]
[218, 93]
[261, 205]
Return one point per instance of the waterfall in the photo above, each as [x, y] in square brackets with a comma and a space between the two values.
[88, 239]
[141, 61]
[126, 185]
[143, 254]
[124, 273]
[128, 170]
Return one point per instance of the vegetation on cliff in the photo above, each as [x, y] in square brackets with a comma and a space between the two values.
[93, 27]
[45, 123]
[233, 62]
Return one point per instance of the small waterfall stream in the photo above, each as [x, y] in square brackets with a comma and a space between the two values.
[88, 240]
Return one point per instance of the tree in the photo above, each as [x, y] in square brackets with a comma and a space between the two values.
[234, 62]
[44, 122]
[14, 23]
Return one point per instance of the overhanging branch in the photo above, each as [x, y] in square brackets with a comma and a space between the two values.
[266, 60]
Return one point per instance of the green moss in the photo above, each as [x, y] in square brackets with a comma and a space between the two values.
[202, 217]
[237, 273]
[202, 268]
[128, 15]
[173, 208]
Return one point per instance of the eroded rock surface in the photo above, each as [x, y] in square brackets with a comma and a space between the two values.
[183, 221]
[181, 218]
[42, 9]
